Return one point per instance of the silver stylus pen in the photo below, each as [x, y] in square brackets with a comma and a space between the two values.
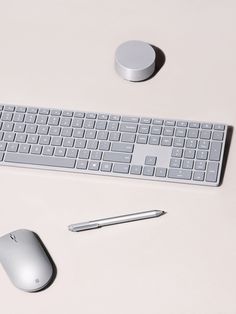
[115, 220]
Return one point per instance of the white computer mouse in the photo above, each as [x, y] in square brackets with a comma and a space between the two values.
[25, 260]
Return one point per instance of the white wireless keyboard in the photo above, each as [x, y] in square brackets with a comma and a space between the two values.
[115, 145]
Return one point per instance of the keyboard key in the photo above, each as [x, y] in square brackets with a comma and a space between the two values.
[117, 157]
[78, 133]
[114, 136]
[20, 109]
[191, 143]
[205, 135]
[175, 162]
[144, 129]
[103, 116]
[68, 142]
[56, 141]
[44, 111]
[198, 175]
[178, 142]
[154, 140]
[122, 147]
[180, 132]
[3, 146]
[193, 133]
[30, 118]
[113, 126]
[102, 135]
[31, 128]
[182, 123]
[84, 154]
[72, 153]
[9, 137]
[101, 125]
[80, 143]
[128, 127]
[194, 125]
[6, 116]
[187, 164]
[9, 108]
[168, 131]
[43, 130]
[53, 120]
[65, 121]
[166, 141]
[18, 117]
[91, 115]
[177, 152]
[67, 113]
[39, 160]
[94, 165]
[106, 166]
[42, 119]
[180, 174]
[128, 137]
[148, 171]
[189, 153]
[48, 150]
[96, 155]
[32, 110]
[200, 165]
[212, 171]
[103, 145]
[77, 123]
[12, 147]
[136, 169]
[218, 136]
[161, 172]
[121, 168]
[215, 151]
[7, 126]
[19, 127]
[150, 160]
[130, 119]
[206, 126]
[92, 144]
[44, 140]
[21, 138]
[90, 134]
[114, 117]
[55, 112]
[36, 149]
[67, 132]
[170, 122]
[146, 120]
[79, 114]
[203, 144]
[202, 154]
[142, 139]
[82, 164]
[60, 151]
[32, 139]
[156, 130]
[219, 127]
[157, 121]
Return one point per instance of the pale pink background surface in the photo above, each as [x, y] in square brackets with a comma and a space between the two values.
[60, 54]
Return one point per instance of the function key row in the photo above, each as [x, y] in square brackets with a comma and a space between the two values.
[111, 117]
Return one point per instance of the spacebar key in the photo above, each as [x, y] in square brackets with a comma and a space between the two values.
[39, 160]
